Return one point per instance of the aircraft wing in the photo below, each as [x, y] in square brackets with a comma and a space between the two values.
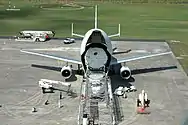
[128, 59]
[53, 57]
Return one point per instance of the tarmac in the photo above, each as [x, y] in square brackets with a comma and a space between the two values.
[161, 77]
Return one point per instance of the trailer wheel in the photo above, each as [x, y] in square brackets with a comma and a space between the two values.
[43, 90]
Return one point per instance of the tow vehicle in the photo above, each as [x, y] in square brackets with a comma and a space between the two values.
[130, 89]
[119, 91]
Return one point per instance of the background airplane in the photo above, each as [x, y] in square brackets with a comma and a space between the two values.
[96, 55]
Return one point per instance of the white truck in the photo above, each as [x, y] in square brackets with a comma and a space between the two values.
[130, 89]
[48, 84]
[69, 41]
[38, 36]
[119, 91]
[45, 85]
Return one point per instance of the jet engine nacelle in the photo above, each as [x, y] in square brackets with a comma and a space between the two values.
[66, 72]
[125, 72]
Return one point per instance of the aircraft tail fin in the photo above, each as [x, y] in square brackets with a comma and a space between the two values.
[74, 34]
[95, 16]
[78, 35]
[95, 26]
[118, 34]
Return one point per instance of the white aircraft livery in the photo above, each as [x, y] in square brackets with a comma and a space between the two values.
[96, 54]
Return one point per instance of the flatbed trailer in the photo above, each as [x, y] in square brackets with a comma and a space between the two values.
[40, 38]
[35, 36]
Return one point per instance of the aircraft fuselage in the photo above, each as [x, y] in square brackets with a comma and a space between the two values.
[96, 50]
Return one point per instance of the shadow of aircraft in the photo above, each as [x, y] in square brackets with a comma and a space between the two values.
[116, 71]
[55, 68]
[147, 70]
[120, 52]
[118, 109]
[72, 78]
[70, 93]
[117, 81]
[47, 67]
[58, 69]
[61, 90]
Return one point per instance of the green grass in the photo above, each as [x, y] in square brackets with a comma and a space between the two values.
[152, 21]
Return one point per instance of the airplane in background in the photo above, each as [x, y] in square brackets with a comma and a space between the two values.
[96, 54]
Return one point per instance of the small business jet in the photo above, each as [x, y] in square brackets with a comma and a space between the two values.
[96, 55]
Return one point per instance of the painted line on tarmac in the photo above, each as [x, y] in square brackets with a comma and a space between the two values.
[72, 7]
[148, 51]
[80, 8]
[48, 49]
[174, 41]
[139, 51]
[57, 49]
[179, 58]
[9, 49]
[184, 55]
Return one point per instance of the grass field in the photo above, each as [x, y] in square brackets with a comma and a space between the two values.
[150, 21]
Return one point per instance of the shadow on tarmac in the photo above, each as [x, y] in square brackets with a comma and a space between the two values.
[147, 70]
[58, 69]
[117, 81]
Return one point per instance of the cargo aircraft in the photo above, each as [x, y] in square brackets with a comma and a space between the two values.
[96, 55]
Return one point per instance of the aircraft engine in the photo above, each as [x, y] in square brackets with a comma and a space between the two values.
[125, 72]
[66, 72]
